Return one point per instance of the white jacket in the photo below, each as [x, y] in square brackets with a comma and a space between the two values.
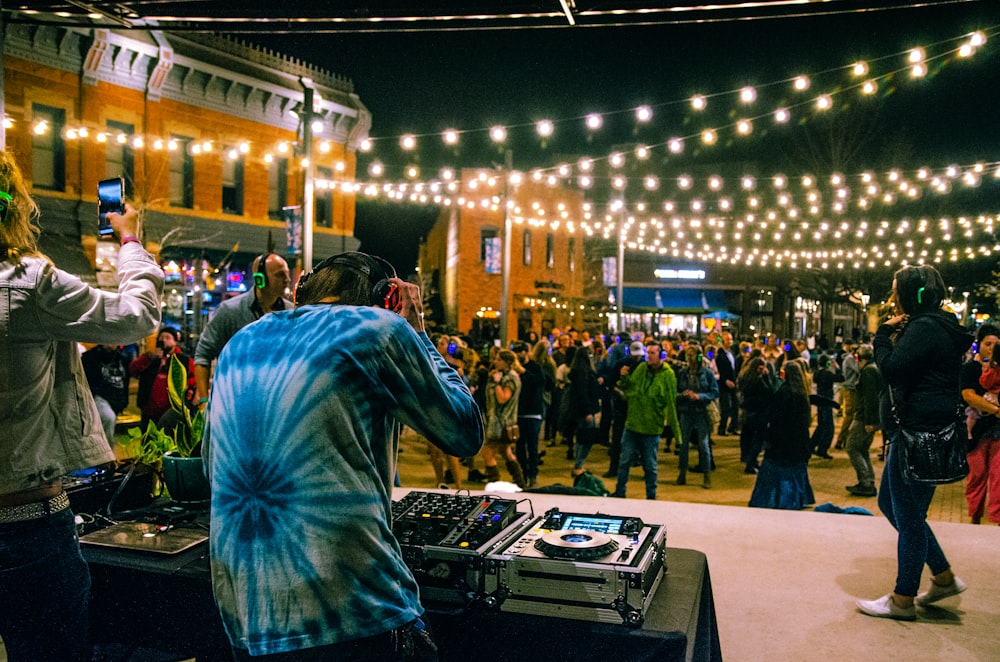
[49, 424]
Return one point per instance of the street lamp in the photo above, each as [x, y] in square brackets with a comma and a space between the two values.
[965, 307]
[865, 298]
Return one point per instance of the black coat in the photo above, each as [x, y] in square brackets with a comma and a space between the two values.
[923, 367]
[531, 401]
[789, 415]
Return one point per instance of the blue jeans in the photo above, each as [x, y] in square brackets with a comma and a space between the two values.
[695, 423]
[905, 506]
[44, 590]
[410, 643]
[527, 445]
[586, 435]
[108, 419]
[632, 444]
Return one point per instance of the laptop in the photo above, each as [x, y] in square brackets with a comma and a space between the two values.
[146, 537]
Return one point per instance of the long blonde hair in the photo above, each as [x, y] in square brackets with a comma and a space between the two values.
[19, 231]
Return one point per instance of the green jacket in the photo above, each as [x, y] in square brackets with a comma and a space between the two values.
[652, 400]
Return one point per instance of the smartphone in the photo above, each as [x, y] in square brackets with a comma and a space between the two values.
[110, 194]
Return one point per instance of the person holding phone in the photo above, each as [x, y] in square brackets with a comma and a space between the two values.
[49, 424]
[304, 429]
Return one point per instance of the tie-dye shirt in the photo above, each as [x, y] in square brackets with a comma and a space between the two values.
[304, 429]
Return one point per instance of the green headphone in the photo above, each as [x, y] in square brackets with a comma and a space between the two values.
[923, 282]
[260, 271]
[5, 200]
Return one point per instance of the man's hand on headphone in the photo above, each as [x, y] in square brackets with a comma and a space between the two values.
[410, 303]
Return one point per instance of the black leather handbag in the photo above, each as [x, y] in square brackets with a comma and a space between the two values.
[935, 457]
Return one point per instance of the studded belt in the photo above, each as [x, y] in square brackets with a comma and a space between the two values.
[36, 510]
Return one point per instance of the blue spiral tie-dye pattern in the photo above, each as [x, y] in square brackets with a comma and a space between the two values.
[304, 424]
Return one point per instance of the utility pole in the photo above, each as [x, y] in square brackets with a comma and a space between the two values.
[505, 258]
[308, 193]
[619, 296]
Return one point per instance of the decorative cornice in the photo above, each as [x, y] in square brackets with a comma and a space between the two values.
[200, 70]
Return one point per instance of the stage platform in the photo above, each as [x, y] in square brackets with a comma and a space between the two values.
[784, 583]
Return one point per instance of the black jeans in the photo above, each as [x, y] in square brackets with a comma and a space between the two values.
[44, 590]
[411, 643]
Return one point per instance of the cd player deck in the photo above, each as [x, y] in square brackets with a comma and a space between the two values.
[579, 566]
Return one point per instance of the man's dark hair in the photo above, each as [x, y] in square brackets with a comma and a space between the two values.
[987, 330]
[866, 353]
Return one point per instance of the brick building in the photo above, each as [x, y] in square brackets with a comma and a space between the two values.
[204, 130]
[461, 258]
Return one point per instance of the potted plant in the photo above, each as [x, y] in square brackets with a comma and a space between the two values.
[176, 452]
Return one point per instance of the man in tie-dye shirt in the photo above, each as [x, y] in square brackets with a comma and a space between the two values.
[304, 429]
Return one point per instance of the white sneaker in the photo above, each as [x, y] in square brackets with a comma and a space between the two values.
[884, 607]
[936, 592]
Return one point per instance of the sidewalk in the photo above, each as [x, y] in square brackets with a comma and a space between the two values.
[730, 486]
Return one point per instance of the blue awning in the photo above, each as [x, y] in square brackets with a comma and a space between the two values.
[687, 301]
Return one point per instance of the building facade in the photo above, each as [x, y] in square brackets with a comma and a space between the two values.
[206, 132]
[461, 261]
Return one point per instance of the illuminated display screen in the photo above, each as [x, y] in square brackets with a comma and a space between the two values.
[602, 524]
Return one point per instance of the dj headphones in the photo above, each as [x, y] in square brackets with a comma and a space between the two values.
[5, 200]
[376, 270]
[260, 271]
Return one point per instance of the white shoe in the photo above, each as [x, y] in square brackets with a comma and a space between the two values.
[884, 607]
[936, 592]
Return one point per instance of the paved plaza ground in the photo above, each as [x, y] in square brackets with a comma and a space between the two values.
[730, 486]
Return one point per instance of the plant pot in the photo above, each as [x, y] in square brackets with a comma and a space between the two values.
[185, 478]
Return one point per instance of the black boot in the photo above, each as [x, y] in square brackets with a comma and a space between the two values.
[514, 469]
[492, 473]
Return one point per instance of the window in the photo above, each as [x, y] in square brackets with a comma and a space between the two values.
[48, 151]
[119, 159]
[527, 247]
[277, 188]
[550, 250]
[232, 185]
[181, 174]
[324, 200]
[486, 235]
[572, 254]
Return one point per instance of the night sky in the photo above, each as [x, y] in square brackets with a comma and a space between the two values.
[426, 82]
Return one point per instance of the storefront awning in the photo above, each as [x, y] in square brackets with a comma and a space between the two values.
[686, 301]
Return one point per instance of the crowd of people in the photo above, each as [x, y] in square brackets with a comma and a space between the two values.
[642, 396]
